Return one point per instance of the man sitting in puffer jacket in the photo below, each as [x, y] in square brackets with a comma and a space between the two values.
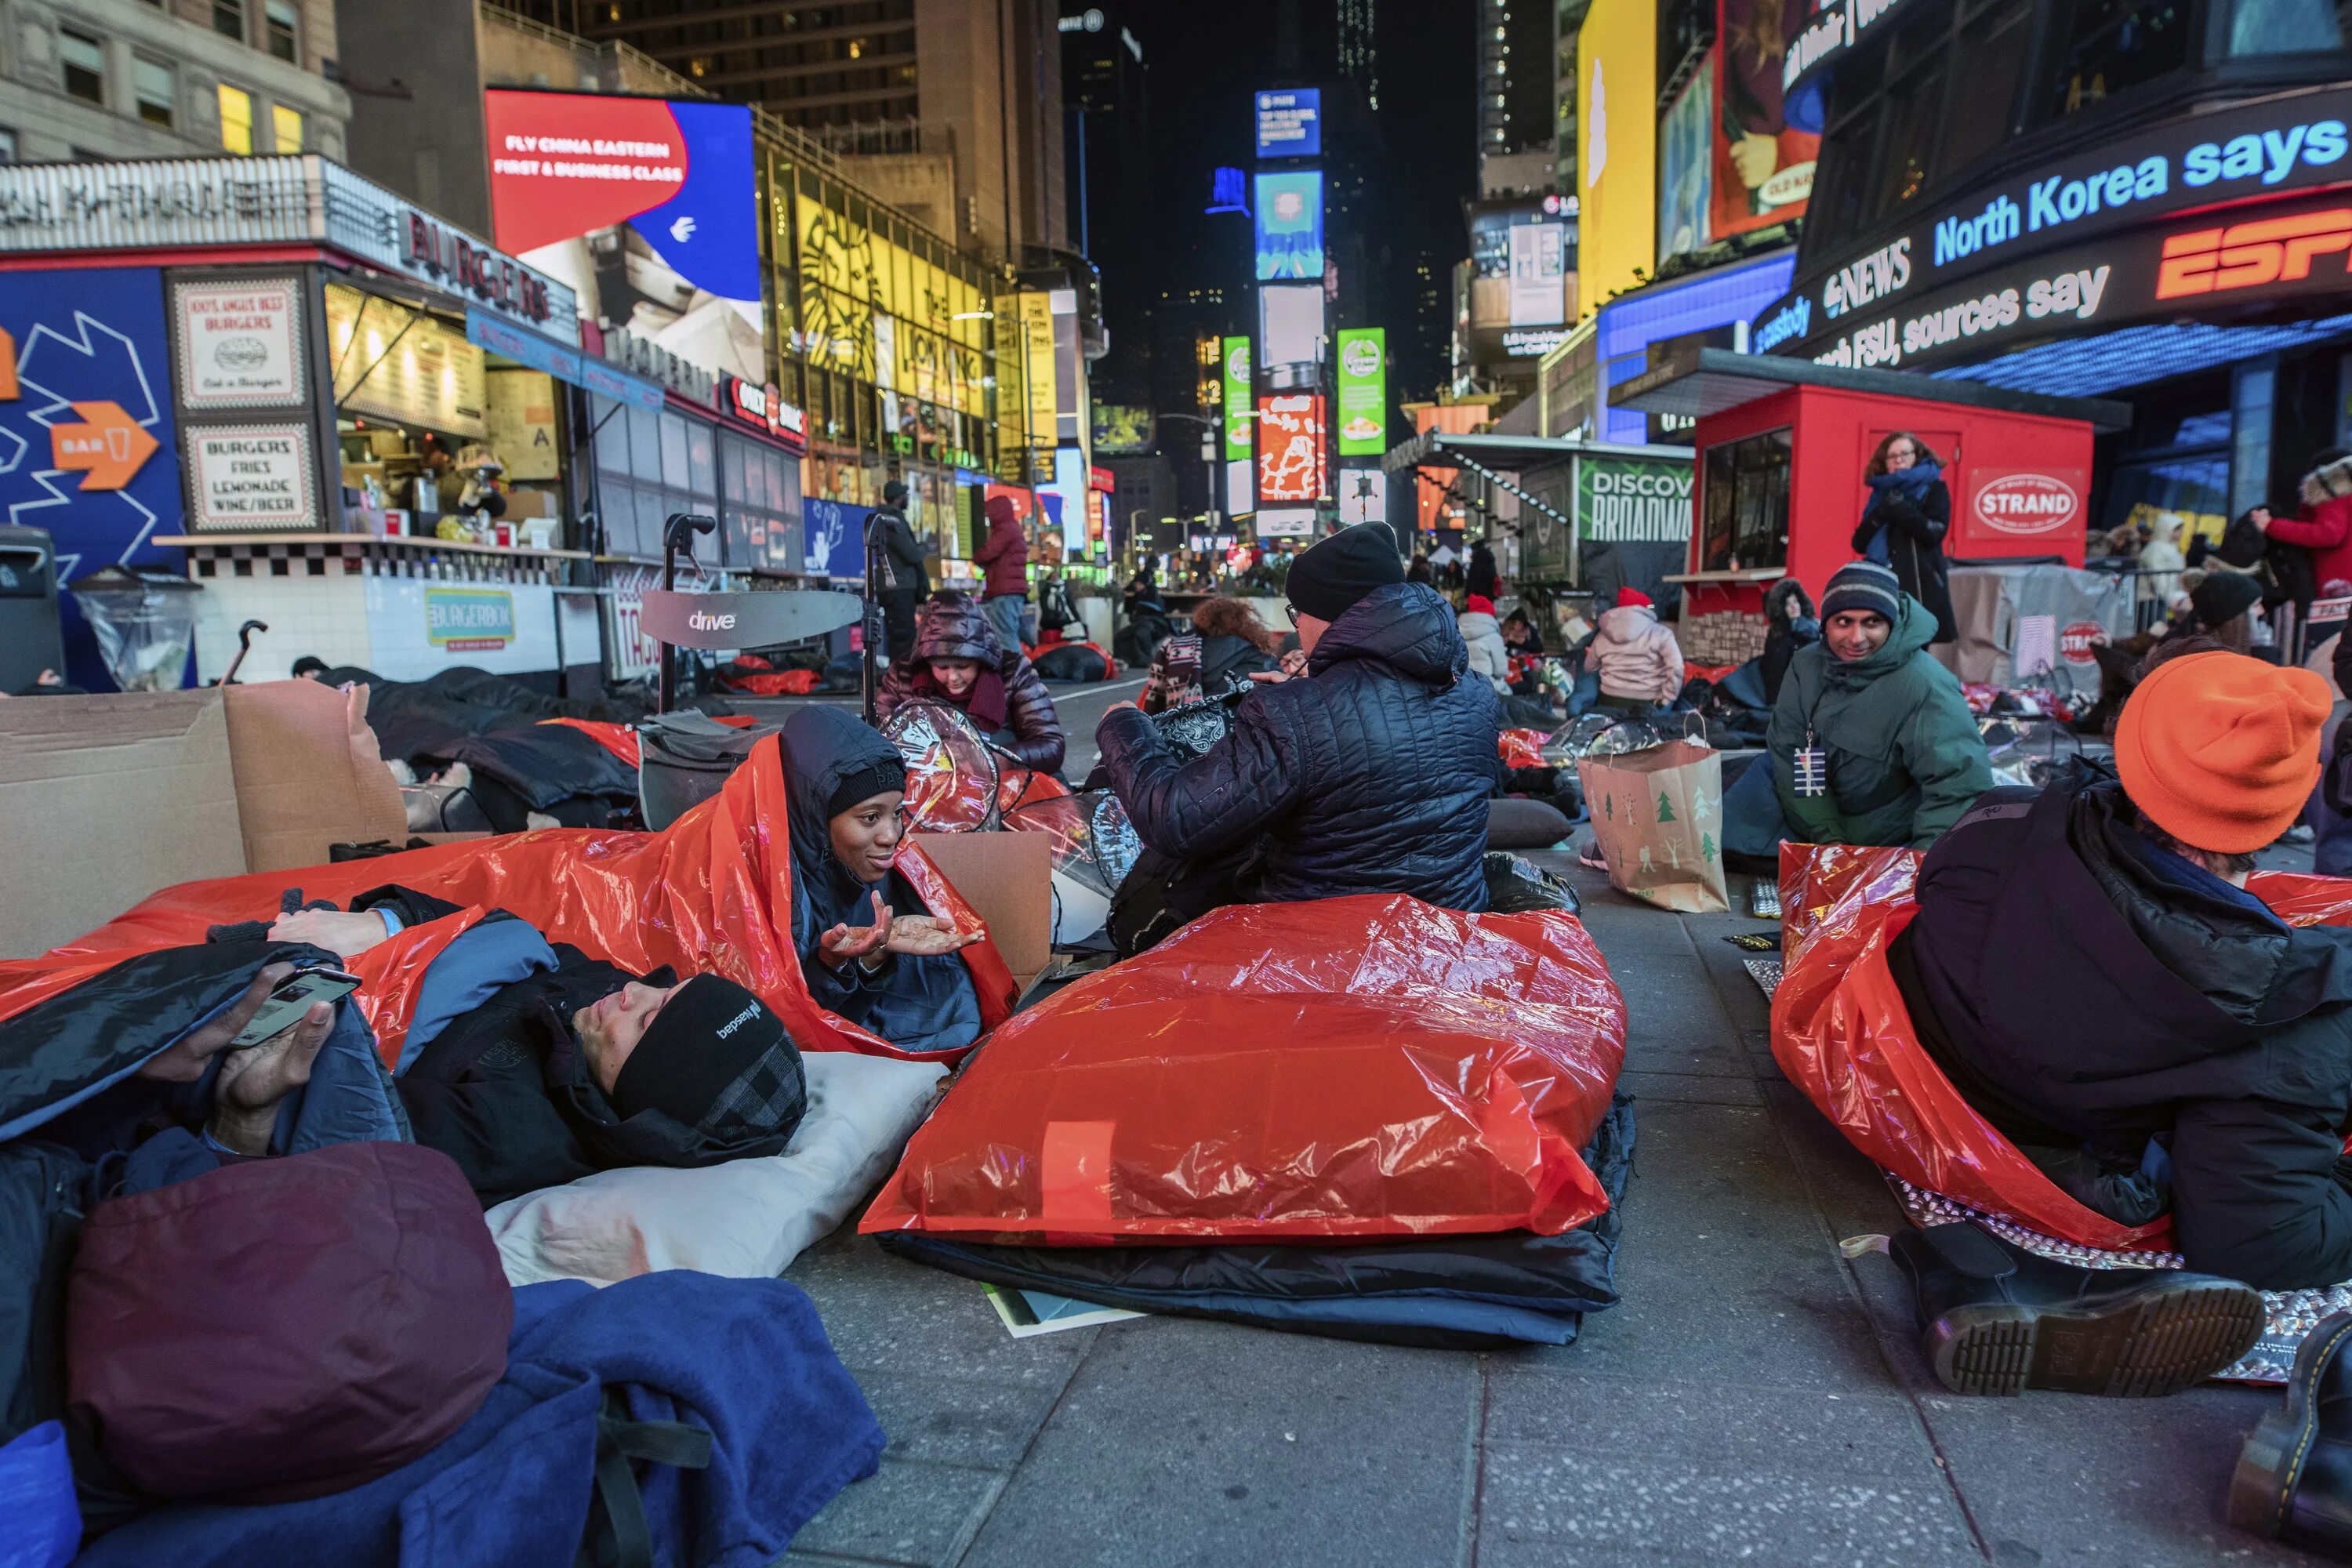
[1637, 658]
[1368, 775]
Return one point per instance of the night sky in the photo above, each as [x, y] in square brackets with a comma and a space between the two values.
[1205, 58]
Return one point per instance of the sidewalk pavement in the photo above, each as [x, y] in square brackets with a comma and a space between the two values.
[1754, 1399]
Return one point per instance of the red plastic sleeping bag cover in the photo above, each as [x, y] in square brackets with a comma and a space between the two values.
[1521, 748]
[1354, 1067]
[710, 892]
[1840, 1032]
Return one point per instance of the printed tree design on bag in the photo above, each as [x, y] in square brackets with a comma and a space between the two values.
[1609, 806]
[1701, 809]
[1665, 808]
[1706, 844]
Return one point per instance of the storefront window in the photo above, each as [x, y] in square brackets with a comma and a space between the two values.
[649, 464]
[2114, 45]
[760, 503]
[1745, 504]
[236, 120]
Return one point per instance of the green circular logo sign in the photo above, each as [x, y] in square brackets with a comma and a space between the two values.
[1361, 358]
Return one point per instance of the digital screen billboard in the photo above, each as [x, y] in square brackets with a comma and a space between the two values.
[1236, 376]
[1290, 124]
[1289, 222]
[1290, 447]
[1763, 165]
[1617, 127]
[1364, 392]
[1686, 166]
[646, 206]
[1290, 324]
[1121, 429]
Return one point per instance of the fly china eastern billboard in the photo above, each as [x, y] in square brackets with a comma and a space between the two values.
[646, 206]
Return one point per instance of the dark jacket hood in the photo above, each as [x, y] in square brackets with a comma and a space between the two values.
[955, 628]
[2161, 970]
[821, 746]
[1405, 626]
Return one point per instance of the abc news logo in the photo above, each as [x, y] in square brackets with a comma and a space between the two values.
[2250, 255]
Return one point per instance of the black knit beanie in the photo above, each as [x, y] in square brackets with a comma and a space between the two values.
[2223, 596]
[717, 1060]
[881, 777]
[1325, 581]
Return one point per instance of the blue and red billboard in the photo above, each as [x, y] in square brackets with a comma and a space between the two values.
[646, 206]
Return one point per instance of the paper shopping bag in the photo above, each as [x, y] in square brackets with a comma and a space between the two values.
[1656, 815]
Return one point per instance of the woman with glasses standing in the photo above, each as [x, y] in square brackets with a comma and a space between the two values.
[1904, 523]
[869, 950]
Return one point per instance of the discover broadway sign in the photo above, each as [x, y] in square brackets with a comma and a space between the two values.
[2274, 148]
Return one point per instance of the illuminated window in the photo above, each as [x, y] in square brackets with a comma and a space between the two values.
[85, 65]
[228, 19]
[283, 27]
[612, 13]
[2117, 44]
[857, 49]
[152, 81]
[698, 65]
[287, 125]
[236, 119]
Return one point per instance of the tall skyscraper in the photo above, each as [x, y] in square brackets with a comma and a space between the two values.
[1515, 74]
[1359, 52]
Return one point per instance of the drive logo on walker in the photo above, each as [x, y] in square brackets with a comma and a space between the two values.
[703, 621]
[469, 620]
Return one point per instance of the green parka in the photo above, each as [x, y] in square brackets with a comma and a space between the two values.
[1904, 758]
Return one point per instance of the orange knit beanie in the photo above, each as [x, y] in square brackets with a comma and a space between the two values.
[2222, 750]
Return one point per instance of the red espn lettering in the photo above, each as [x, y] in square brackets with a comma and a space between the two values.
[2248, 255]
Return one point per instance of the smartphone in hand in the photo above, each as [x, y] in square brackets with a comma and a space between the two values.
[292, 999]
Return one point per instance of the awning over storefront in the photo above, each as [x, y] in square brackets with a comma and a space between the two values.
[582, 369]
[1697, 383]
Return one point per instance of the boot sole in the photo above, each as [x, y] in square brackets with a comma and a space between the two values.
[2168, 1336]
[2269, 1465]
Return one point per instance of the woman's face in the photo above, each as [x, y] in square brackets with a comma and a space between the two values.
[1900, 454]
[1855, 634]
[866, 836]
[955, 675]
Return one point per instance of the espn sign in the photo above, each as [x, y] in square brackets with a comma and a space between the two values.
[2250, 255]
[2017, 501]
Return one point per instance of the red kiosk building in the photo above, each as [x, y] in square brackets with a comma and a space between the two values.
[1781, 445]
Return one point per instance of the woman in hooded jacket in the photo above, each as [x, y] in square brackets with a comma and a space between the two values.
[1484, 633]
[959, 662]
[869, 950]
[1904, 523]
[1639, 661]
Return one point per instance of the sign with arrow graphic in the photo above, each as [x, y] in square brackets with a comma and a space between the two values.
[109, 447]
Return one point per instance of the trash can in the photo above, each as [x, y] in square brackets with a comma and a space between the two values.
[31, 637]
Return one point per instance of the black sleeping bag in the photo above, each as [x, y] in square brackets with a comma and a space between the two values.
[551, 769]
[419, 721]
[1071, 662]
[1445, 1292]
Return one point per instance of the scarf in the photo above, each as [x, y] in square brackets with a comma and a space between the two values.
[1911, 484]
[987, 703]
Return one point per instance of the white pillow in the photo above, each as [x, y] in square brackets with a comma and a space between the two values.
[745, 1219]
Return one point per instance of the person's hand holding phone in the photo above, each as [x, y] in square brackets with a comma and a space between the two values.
[185, 1061]
[255, 1078]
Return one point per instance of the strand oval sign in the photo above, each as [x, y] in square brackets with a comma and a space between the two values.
[2027, 502]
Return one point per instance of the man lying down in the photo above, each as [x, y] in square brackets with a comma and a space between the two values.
[531, 1064]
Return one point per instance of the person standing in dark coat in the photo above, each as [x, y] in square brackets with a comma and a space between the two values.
[1368, 775]
[1482, 578]
[958, 660]
[1003, 556]
[577, 1066]
[2089, 970]
[1904, 523]
[905, 581]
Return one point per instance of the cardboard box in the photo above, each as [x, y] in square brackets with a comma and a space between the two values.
[308, 773]
[108, 799]
[1007, 878]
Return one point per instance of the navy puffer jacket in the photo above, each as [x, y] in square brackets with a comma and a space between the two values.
[1369, 777]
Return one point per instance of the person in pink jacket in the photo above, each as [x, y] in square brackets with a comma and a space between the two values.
[1636, 657]
[2325, 527]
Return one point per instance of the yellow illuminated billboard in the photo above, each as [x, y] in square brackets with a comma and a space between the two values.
[1616, 148]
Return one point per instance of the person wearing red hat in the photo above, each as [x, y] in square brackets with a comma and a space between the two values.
[2089, 970]
[1635, 655]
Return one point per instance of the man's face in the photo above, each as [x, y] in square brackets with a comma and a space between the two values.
[1855, 634]
[955, 675]
[610, 1030]
[1310, 629]
[1900, 454]
[866, 836]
